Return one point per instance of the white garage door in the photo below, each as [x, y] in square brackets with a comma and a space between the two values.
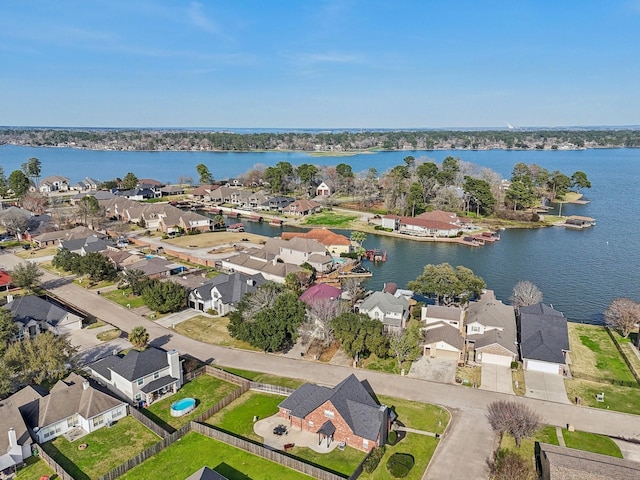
[448, 354]
[542, 367]
[496, 359]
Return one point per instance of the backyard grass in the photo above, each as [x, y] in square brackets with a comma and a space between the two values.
[620, 399]
[109, 335]
[591, 442]
[330, 219]
[211, 330]
[215, 239]
[265, 377]
[594, 355]
[35, 469]
[207, 391]
[194, 451]
[108, 448]
[343, 462]
[629, 350]
[237, 417]
[124, 298]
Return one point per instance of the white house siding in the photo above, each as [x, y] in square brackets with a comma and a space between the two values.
[546, 367]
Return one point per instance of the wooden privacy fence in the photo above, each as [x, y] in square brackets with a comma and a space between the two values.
[146, 454]
[61, 472]
[635, 374]
[147, 422]
[222, 403]
[259, 450]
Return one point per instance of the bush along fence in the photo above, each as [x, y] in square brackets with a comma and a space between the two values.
[196, 426]
[61, 472]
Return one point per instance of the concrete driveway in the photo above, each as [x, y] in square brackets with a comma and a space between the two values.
[545, 386]
[496, 378]
[434, 370]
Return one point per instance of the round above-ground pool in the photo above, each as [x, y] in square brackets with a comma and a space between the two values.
[182, 406]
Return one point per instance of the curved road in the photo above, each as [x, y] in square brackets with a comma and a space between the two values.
[469, 434]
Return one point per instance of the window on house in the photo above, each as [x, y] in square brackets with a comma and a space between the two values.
[98, 420]
[328, 414]
[140, 381]
[310, 423]
[365, 443]
[475, 328]
[156, 375]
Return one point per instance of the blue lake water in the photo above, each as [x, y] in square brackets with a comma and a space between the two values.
[579, 272]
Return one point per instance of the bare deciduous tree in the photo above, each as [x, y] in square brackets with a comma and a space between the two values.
[513, 418]
[320, 314]
[352, 287]
[623, 314]
[509, 465]
[525, 293]
[264, 297]
[14, 221]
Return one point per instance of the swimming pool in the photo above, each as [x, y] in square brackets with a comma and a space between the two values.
[182, 407]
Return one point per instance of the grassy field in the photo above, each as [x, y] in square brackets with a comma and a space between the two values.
[389, 365]
[35, 469]
[265, 377]
[469, 375]
[591, 442]
[628, 349]
[237, 417]
[594, 354]
[210, 330]
[620, 399]
[108, 448]
[214, 239]
[205, 389]
[343, 462]
[330, 219]
[194, 451]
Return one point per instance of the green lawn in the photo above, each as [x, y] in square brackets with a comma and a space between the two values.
[194, 451]
[620, 399]
[237, 417]
[546, 434]
[421, 416]
[330, 219]
[124, 298]
[108, 448]
[265, 377]
[591, 442]
[211, 330]
[36, 469]
[627, 348]
[339, 461]
[595, 356]
[205, 389]
[389, 365]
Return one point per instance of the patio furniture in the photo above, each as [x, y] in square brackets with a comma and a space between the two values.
[287, 446]
[280, 430]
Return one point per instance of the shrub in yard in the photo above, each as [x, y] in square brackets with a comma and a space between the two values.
[372, 461]
[392, 438]
[400, 464]
[514, 365]
[509, 465]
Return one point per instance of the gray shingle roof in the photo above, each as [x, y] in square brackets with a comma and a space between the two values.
[133, 365]
[445, 333]
[388, 304]
[10, 416]
[205, 473]
[350, 399]
[543, 334]
[31, 307]
[158, 383]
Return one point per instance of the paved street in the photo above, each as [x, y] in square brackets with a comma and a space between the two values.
[470, 433]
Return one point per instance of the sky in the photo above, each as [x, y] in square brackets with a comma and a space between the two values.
[319, 64]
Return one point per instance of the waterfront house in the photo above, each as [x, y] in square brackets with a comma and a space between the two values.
[319, 293]
[140, 376]
[149, 182]
[420, 227]
[87, 184]
[223, 292]
[335, 243]
[345, 413]
[491, 330]
[254, 261]
[53, 183]
[204, 192]
[34, 315]
[392, 311]
[277, 203]
[443, 332]
[301, 208]
[544, 339]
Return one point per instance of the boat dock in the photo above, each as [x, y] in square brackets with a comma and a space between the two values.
[578, 221]
[376, 255]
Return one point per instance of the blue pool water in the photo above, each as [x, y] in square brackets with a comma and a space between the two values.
[183, 405]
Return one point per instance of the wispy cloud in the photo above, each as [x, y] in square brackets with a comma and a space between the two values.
[319, 58]
[201, 20]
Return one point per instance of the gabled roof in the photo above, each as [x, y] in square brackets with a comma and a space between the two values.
[72, 395]
[351, 400]
[444, 313]
[495, 336]
[440, 216]
[320, 291]
[301, 206]
[386, 302]
[205, 473]
[31, 307]
[151, 266]
[322, 235]
[92, 243]
[491, 312]
[445, 333]
[10, 416]
[231, 287]
[544, 334]
[133, 365]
